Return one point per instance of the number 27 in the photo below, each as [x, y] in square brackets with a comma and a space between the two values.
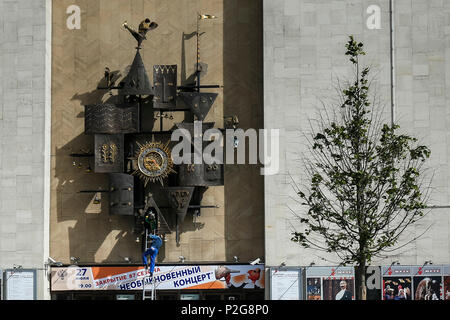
[81, 272]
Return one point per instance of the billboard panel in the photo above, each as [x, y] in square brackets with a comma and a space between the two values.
[336, 283]
[165, 277]
[397, 282]
[446, 280]
[428, 282]
[314, 288]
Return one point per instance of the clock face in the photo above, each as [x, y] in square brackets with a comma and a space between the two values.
[154, 161]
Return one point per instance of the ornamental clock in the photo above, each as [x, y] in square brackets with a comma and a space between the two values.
[154, 161]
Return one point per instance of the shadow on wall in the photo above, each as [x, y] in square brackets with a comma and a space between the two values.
[243, 96]
[96, 236]
[92, 231]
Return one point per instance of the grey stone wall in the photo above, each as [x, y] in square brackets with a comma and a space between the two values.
[303, 58]
[22, 118]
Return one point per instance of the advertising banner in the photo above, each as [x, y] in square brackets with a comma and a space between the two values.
[165, 277]
[427, 282]
[446, 281]
[314, 288]
[397, 282]
[330, 283]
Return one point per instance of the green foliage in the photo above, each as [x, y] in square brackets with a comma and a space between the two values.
[365, 185]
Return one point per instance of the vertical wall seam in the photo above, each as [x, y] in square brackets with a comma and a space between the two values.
[392, 58]
[47, 141]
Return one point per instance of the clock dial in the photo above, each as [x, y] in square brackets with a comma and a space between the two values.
[154, 161]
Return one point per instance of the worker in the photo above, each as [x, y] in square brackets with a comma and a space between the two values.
[152, 252]
[150, 221]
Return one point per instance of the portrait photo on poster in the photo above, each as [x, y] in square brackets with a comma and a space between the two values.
[338, 289]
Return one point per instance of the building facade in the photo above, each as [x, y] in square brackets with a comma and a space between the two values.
[52, 215]
[24, 149]
[272, 63]
[304, 57]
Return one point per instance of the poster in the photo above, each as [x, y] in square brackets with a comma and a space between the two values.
[20, 284]
[397, 288]
[446, 285]
[165, 277]
[285, 284]
[397, 282]
[313, 289]
[338, 289]
[427, 288]
[330, 283]
[427, 282]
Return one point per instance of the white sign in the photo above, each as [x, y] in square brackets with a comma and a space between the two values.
[20, 284]
[285, 284]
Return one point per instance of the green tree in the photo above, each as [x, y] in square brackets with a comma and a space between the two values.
[365, 180]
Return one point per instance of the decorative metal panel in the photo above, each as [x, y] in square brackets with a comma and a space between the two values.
[137, 81]
[165, 86]
[179, 199]
[121, 194]
[109, 153]
[199, 102]
[213, 174]
[111, 118]
[200, 175]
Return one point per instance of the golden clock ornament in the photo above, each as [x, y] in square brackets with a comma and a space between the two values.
[154, 161]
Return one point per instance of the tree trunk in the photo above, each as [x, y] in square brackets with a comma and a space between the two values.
[360, 280]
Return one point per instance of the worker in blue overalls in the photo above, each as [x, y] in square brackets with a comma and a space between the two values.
[152, 252]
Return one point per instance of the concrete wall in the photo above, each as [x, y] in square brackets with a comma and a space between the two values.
[303, 58]
[23, 36]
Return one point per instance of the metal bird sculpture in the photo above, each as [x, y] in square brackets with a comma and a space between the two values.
[140, 35]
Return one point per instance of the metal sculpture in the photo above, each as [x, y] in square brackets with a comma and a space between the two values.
[179, 199]
[154, 161]
[109, 156]
[200, 175]
[121, 194]
[199, 102]
[140, 35]
[200, 67]
[165, 86]
[136, 82]
[111, 118]
[149, 161]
